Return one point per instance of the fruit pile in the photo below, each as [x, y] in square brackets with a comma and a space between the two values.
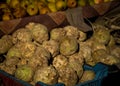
[33, 53]
[12, 9]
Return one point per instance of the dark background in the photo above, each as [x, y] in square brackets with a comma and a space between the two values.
[113, 78]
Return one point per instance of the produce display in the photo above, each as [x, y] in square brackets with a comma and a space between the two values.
[12, 9]
[33, 53]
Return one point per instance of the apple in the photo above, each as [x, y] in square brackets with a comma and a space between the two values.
[19, 12]
[32, 9]
[14, 3]
[81, 2]
[91, 2]
[24, 3]
[44, 10]
[7, 16]
[71, 3]
[51, 1]
[3, 5]
[98, 1]
[41, 4]
[44, 1]
[107, 0]
[52, 6]
[60, 5]
[8, 1]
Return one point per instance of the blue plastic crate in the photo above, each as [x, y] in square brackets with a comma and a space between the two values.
[9, 80]
[43, 84]
[100, 69]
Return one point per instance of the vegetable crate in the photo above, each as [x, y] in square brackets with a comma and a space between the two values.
[9, 80]
[100, 69]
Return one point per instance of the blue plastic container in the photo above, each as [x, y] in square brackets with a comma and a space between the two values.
[9, 80]
[100, 69]
[43, 84]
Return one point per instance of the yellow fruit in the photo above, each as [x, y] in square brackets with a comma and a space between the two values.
[32, 9]
[107, 0]
[71, 3]
[14, 3]
[51, 1]
[24, 3]
[52, 7]
[3, 5]
[91, 2]
[7, 16]
[8, 1]
[98, 1]
[19, 12]
[44, 10]
[41, 5]
[81, 2]
[60, 4]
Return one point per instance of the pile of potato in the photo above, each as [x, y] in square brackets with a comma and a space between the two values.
[33, 53]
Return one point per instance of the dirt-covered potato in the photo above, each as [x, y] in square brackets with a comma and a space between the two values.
[89, 42]
[24, 72]
[12, 61]
[111, 42]
[97, 45]
[21, 35]
[10, 70]
[57, 34]
[99, 54]
[13, 52]
[110, 60]
[48, 75]
[52, 46]
[76, 62]
[39, 32]
[103, 56]
[30, 25]
[86, 52]
[115, 50]
[77, 56]
[5, 43]
[42, 52]
[67, 76]
[27, 49]
[71, 31]
[23, 61]
[38, 61]
[82, 36]
[7, 69]
[87, 75]
[68, 46]
[2, 65]
[41, 58]
[60, 61]
[101, 34]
